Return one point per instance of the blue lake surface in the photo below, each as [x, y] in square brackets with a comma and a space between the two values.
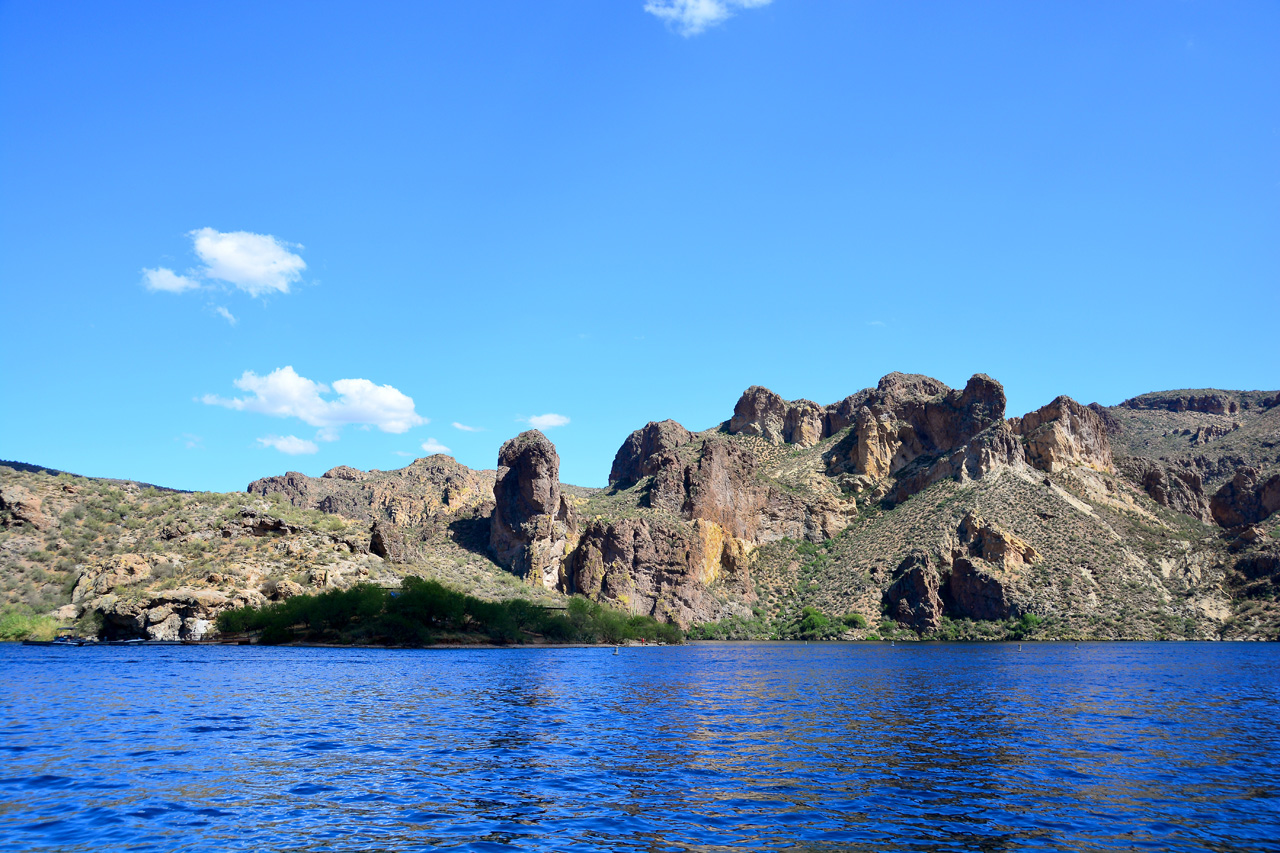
[716, 746]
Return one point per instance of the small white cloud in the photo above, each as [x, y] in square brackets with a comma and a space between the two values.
[226, 315]
[690, 17]
[466, 428]
[168, 281]
[403, 453]
[289, 444]
[191, 442]
[255, 263]
[433, 446]
[282, 393]
[547, 421]
[875, 322]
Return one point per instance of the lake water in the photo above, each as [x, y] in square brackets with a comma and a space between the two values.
[823, 747]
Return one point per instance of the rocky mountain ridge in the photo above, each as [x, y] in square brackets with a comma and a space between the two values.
[907, 506]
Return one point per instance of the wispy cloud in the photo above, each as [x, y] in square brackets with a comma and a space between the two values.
[289, 444]
[875, 322]
[466, 428]
[690, 17]
[433, 446]
[282, 393]
[225, 314]
[191, 442]
[167, 281]
[547, 421]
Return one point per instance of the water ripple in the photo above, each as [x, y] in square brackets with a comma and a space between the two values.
[704, 748]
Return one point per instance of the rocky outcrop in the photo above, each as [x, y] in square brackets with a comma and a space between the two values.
[179, 614]
[1178, 489]
[388, 543]
[428, 489]
[994, 448]
[1062, 435]
[762, 412]
[914, 599]
[532, 528]
[1247, 499]
[1209, 401]
[646, 451]
[661, 568]
[17, 505]
[972, 576]
[977, 537]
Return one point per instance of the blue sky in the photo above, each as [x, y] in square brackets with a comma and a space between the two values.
[366, 223]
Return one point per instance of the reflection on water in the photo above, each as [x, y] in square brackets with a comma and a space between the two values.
[716, 746]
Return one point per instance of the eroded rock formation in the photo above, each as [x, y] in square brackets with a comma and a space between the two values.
[1064, 434]
[532, 529]
[1247, 499]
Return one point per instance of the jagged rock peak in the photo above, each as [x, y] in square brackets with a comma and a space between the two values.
[1064, 434]
[902, 386]
[532, 527]
[762, 412]
[644, 450]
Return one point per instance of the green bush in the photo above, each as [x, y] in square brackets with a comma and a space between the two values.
[854, 620]
[25, 625]
[423, 611]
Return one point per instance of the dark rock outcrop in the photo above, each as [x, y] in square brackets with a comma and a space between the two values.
[1176, 488]
[388, 543]
[1247, 499]
[532, 527]
[660, 568]
[914, 598]
[646, 451]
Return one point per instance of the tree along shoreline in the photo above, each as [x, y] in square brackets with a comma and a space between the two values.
[427, 613]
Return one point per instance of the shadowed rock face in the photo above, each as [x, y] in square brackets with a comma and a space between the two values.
[644, 452]
[1178, 489]
[660, 568]
[1247, 499]
[532, 524]
[971, 576]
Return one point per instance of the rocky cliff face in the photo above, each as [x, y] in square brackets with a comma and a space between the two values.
[532, 529]
[909, 501]
[1247, 499]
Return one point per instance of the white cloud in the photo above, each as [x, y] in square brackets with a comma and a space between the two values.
[255, 263]
[547, 421]
[690, 17]
[433, 446]
[466, 428]
[403, 453]
[282, 393]
[226, 315]
[875, 322]
[289, 444]
[168, 281]
[191, 442]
